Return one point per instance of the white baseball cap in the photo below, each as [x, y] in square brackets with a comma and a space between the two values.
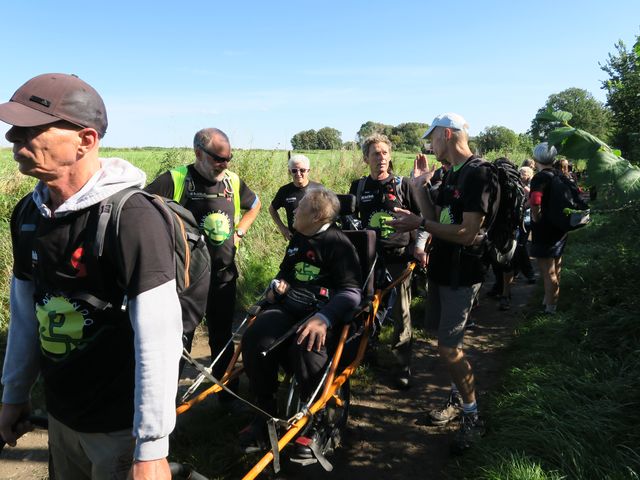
[447, 120]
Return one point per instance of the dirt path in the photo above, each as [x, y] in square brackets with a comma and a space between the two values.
[387, 435]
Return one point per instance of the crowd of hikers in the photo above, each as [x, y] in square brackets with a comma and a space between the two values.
[99, 306]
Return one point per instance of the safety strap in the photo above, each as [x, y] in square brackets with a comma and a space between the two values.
[397, 183]
[181, 178]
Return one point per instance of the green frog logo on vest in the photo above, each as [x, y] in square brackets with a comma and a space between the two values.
[306, 272]
[379, 220]
[61, 325]
[217, 227]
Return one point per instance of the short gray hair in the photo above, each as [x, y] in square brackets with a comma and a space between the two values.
[324, 203]
[299, 158]
[203, 137]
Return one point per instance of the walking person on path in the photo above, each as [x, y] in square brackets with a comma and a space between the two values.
[547, 242]
[456, 267]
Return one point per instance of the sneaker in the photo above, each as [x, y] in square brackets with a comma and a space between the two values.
[452, 409]
[471, 430]
[403, 380]
[505, 303]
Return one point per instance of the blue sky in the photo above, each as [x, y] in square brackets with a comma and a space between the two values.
[263, 71]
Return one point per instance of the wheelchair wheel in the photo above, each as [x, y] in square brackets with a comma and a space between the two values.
[330, 422]
[290, 398]
[334, 418]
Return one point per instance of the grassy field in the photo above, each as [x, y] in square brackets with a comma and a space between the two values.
[264, 171]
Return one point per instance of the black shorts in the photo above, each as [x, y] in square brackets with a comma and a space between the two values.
[554, 250]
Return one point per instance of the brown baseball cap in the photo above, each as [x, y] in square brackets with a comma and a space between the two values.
[52, 97]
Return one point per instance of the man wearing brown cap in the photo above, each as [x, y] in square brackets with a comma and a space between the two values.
[104, 331]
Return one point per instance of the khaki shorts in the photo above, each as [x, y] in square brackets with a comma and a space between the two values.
[450, 308]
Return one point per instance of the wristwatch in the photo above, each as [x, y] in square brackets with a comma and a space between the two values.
[240, 232]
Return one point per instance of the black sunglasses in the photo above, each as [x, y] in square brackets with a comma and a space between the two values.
[301, 170]
[216, 158]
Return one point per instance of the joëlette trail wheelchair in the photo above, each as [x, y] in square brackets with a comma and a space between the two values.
[329, 404]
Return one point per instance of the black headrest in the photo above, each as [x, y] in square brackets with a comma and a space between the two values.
[347, 204]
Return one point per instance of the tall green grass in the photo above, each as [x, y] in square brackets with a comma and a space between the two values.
[569, 406]
[264, 171]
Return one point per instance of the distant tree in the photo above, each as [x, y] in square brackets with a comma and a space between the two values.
[369, 128]
[305, 140]
[350, 145]
[497, 138]
[588, 114]
[525, 143]
[410, 136]
[328, 139]
[473, 145]
[623, 97]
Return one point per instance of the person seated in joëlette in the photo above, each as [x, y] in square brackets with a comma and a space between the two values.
[319, 278]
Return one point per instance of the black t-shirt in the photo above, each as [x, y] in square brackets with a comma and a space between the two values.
[214, 214]
[455, 198]
[288, 196]
[542, 231]
[86, 356]
[327, 259]
[375, 207]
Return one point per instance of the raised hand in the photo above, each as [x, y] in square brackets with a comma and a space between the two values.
[422, 173]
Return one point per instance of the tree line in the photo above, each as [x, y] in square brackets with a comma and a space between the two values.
[617, 121]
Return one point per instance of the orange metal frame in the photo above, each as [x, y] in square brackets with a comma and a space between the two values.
[332, 382]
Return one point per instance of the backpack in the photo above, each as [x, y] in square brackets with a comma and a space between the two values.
[506, 208]
[563, 207]
[192, 261]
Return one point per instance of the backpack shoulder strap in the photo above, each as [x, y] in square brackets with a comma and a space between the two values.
[494, 197]
[234, 183]
[109, 211]
[20, 211]
[179, 177]
[397, 184]
[359, 190]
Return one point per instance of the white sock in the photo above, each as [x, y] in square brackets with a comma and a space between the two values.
[550, 308]
[468, 408]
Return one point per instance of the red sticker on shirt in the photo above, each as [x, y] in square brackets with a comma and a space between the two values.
[76, 262]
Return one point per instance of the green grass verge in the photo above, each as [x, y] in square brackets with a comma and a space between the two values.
[569, 406]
